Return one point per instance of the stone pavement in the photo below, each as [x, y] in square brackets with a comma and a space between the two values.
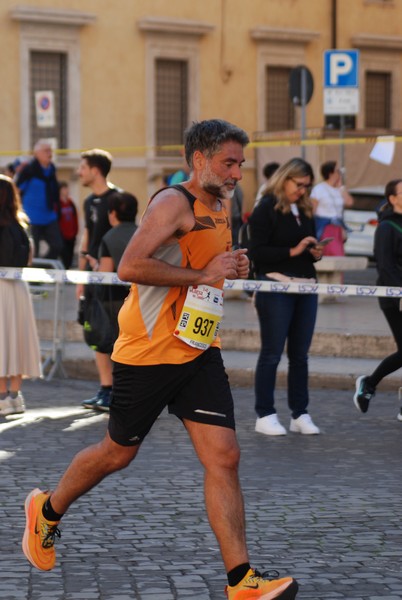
[325, 508]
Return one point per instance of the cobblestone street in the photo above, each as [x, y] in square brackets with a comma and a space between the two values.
[325, 509]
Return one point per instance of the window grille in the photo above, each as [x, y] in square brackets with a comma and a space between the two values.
[171, 103]
[378, 99]
[48, 72]
[280, 111]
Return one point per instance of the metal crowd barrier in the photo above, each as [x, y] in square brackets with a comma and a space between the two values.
[50, 296]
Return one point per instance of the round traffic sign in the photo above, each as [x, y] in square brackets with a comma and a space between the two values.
[296, 85]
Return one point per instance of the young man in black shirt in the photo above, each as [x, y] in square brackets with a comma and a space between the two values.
[93, 170]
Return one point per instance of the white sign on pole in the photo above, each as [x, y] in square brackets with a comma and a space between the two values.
[44, 105]
[341, 82]
[341, 101]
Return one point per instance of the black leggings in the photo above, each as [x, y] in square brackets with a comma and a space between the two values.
[393, 362]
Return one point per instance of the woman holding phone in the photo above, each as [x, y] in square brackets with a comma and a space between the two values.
[283, 246]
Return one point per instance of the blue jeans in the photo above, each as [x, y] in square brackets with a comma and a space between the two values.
[281, 317]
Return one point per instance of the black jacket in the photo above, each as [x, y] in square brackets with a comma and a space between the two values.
[273, 234]
[388, 254]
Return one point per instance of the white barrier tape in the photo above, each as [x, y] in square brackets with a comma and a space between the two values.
[328, 289]
[35, 275]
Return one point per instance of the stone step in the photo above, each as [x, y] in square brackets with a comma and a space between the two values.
[324, 372]
[324, 343]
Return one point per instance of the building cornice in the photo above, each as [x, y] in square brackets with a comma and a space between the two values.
[174, 26]
[53, 16]
[384, 42]
[284, 35]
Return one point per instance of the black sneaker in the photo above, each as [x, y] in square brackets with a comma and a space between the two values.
[363, 394]
[92, 401]
[104, 401]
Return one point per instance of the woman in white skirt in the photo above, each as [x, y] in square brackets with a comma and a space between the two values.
[19, 345]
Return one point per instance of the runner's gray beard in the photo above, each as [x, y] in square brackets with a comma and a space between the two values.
[219, 191]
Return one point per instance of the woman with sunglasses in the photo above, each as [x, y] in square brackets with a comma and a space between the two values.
[283, 246]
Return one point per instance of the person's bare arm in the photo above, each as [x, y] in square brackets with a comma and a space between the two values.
[347, 198]
[82, 262]
[31, 252]
[106, 264]
[315, 204]
[166, 218]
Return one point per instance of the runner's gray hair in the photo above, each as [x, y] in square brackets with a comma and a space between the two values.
[208, 137]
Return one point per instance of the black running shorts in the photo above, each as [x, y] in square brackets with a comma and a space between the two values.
[197, 390]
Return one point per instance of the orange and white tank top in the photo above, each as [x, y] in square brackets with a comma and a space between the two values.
[148, 318]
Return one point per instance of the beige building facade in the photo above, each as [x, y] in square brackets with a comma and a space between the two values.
[129, 76]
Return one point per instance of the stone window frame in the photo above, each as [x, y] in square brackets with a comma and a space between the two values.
[278, 48]
[52, 30]
[174, 39]
[380, 53]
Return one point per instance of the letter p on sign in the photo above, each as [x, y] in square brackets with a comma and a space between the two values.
[341, 68]
[340, 64]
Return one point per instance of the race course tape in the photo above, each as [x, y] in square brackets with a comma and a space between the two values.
[49, 276]
[312, 140]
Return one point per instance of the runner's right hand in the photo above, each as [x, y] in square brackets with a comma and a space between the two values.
[222, 266]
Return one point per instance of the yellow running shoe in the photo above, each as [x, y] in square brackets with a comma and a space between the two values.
[254, 586]
[39, 534]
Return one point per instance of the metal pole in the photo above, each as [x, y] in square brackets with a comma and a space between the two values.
[334, 24]
[342, 147]
[303, 109]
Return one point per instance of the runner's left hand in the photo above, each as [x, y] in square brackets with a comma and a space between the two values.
[243, 263]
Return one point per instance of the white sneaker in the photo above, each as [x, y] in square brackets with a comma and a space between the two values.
[12, 406]
[303, 424]
[399, 415]
[269, 425]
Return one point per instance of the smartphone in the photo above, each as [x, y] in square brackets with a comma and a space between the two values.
[325, 241]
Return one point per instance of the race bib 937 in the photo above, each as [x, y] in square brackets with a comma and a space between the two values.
[198, 324]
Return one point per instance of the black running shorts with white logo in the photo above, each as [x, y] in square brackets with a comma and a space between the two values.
[197, 390]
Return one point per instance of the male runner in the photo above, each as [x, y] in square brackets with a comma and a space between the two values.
[167, 354]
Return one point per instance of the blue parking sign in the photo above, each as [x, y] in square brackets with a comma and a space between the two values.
[341, 68]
